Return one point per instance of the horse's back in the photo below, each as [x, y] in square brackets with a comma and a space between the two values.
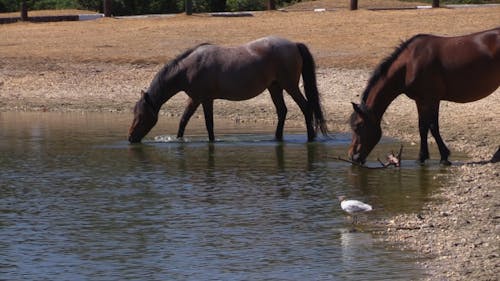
[478, 48]
[282, 52]
[283, 57]
[241, 72]
[463, 68]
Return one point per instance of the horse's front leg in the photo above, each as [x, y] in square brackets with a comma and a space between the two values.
[208, 109]
[423, 129]
[188, 112]
[277, 96]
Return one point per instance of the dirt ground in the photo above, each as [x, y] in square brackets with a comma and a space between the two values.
[102, 65]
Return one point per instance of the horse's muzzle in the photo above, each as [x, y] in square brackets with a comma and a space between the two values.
[132, 139]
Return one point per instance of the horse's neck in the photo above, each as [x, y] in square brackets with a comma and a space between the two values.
[386, 90]
[162, 89]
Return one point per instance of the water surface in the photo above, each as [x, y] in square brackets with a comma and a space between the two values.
[77, 202]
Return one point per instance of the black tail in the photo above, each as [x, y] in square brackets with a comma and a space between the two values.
[311, 89]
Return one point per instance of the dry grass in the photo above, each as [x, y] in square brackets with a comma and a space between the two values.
[340, 38]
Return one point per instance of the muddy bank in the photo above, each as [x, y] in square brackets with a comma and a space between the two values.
[458, 230]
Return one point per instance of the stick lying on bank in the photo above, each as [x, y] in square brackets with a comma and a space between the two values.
[392, 160]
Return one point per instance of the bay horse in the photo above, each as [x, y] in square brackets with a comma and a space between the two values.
[427, 69]
[207, 72]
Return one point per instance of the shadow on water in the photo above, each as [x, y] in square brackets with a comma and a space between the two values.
[78, 202]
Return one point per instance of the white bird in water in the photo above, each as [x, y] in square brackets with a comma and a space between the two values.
[353, 207]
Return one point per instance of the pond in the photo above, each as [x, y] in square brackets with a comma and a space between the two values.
[77, 202]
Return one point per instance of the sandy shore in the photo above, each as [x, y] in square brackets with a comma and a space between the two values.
[459, 231]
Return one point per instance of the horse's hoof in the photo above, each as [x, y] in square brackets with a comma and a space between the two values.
[445, 162]
[422, 159]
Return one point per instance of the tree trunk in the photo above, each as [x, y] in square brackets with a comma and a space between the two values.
[24, 11]
[107, 8]
[189, 7]
[271, 5]
[353, 5]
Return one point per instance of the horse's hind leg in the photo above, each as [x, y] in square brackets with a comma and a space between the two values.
[188, 112]
[208, 109]
[306, 110]
[277, 96]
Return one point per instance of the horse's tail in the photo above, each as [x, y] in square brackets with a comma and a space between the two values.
[311, 89]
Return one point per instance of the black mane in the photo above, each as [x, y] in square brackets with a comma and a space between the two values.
[161, 78]
[172, 65]
[384, 66]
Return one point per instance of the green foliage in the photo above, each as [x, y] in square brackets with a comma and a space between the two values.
[445, 2]
[53, 4]
[246, 5]
[120, 7]
[449, 2]
[90, 5]
[9, 6]
[134, 7]
[14, 5]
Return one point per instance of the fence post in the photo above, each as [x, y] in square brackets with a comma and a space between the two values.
[353, 5]
[24, 11]
[435, 3]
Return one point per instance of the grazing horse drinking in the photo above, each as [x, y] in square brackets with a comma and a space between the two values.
[207, 72]
[427, 69]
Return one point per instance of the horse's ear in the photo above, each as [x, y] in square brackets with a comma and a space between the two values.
[359, 110]
[356, 108]
[146, 97]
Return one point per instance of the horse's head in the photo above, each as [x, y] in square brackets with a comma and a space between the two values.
[145, 117]
[366, 133]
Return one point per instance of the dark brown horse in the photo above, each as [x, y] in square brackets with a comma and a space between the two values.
[427, 69]
[207, 72]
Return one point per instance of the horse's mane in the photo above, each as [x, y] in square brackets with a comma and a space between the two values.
[384, 66]
[172, 65]
[164, 74]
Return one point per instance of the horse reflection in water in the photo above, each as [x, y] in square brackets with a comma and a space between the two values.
[208, 72]
[427, 69]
